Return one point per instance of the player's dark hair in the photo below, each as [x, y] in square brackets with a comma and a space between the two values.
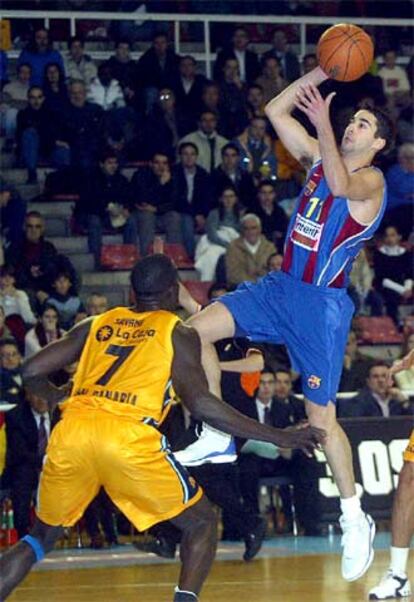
[152, 276]
[385, 127]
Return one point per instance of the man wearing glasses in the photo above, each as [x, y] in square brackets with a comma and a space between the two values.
[36, 136]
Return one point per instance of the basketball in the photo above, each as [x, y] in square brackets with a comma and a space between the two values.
[345, 52]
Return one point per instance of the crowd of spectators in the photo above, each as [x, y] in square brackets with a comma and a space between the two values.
[209, 174]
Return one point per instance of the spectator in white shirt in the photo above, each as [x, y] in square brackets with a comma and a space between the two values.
[78, 65]
[14, 301]
[395, 81]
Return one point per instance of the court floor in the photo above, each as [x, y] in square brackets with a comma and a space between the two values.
[288, 570]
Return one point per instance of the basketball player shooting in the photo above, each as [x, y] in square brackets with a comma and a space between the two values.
[305, 305]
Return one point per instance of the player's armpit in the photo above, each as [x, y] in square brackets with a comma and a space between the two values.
[294, 137]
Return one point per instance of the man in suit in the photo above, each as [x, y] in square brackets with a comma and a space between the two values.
[193, 194]
[248, 61]
[377, 398]
[274, 404]
[189, 87]
[28, 430]
[288, 59]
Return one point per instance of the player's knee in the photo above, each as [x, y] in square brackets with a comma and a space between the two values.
[322, 417]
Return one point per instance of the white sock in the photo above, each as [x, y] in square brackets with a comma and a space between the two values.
[184, 591]
[351, 507]
[399, 559]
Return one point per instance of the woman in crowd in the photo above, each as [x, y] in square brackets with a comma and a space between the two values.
[222, 226]
[45, 331]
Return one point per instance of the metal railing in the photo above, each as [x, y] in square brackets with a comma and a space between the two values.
[176, 19]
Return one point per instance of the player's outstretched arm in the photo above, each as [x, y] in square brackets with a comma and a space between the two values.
[190, 384]
[51, 358]
[292, 133]
[404, 363]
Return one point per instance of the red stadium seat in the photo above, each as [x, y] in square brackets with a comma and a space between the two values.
[198, 290]
[377, 330]
[119, 257]
[178, 254]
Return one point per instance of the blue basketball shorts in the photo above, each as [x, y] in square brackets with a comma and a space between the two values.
[312, 321]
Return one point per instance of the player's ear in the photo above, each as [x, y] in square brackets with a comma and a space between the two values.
[379, 144]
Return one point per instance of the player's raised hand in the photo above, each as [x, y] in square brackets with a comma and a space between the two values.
[405, 363]
[302, 436]
[309, 100]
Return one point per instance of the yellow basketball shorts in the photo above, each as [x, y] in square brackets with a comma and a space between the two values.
[91, 449]
[409, 452]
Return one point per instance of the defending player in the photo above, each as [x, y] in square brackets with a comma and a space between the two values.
[129, 358]
[395, 583]
[306, 305]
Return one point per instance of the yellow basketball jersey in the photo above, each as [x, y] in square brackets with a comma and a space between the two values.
[125, 366]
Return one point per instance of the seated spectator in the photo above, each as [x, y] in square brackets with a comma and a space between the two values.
[35, 259]
[37, 136]
[152, 194]
[189, 88]
[274, 262]
[271, 81]
[157, 68]
[246, 257]
[231, 173]
[105, 91]
[192, 194]
[274, 220]
[78, 65]
[262, 460]
[210, 100]
[207, 140]
[54, 88]
[247, 61]
[222, 226]
[288, 60]
[44, 332]
[405, 379]
[395, 81]
[256, 151]
[38, 54]
[82, 125]
[400, 187]
[164, 126]
[14, 302]
[11, 383]
[12, 214]
[64, 298]
[255, 102]
[28, 429]
[356, 366]
[96, 304]
[125, 70]
[14, 98]
[393, 272]
[104, 204]
[4, 330]
[232, 103]
[377, 398]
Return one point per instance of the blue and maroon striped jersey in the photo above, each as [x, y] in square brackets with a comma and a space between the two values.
[323, 239]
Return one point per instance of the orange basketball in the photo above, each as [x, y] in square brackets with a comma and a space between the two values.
[345, 52]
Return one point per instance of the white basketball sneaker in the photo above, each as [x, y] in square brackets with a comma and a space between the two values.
[391, 586]
[357, 541]
[212, 447]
